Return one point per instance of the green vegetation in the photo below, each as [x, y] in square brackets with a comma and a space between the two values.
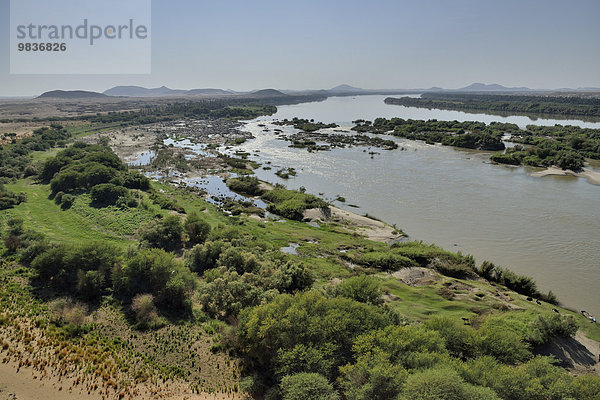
[16, 158]
[542, 146]
[561, 106]
[285, 173]
[247, 185]
[305, 124]
[469, 134]
[291, 203]
[9, 199]
[563, 146]
[136, 293]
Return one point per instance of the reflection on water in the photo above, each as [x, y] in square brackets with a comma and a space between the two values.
[547, 228]
[142, 159]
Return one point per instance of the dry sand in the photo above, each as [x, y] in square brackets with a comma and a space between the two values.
[371, 228]
[25, 384]
[592, 177]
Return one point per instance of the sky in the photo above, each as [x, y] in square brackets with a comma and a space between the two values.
[247, 45]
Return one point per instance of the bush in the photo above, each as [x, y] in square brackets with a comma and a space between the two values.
[196, 228]
[386, 261]
[166, 234]
[306, 318]
[239, 260]
[362, 288]
[289, 277]
[67, 201]
[156, 272]
[204, 256]
[307, 386]
[90, 283]
[9, 199]
[226, 295]
[94, 174]
[460, 340]
[135, 180]
[107, 193]
[66, 181]
[291, 203]
[442, 384]
[144, 309]
[245, 185]
[545, 327]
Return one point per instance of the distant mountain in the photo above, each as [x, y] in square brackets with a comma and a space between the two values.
[209, 91]
[494, 87]
[345, 88]
[139, 91]
[70, 94]
[268, 93]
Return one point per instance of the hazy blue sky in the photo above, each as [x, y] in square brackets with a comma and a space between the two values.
[243, 45]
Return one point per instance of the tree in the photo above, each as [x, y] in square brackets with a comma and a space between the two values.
[442, 384]
[307, 318]
[166, 234]
[107, 193]
[196, 228]
[156, 272]
[307, 386]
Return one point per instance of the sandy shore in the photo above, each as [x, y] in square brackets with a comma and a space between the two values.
[26, 384]
[371, 228]
[591, 176]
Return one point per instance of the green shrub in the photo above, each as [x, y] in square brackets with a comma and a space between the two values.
[9, 199]
[66, 181]
[307, 386]
[545, 327]
[90, 283]
[386, 261]
[306, 318]
[135, 180]
[145, 311]
[196, 228]
[107, 193]
[166, 233]
[67, 201]
[442, 384]
[291, 203]
[460, 340]
[93, 174]
[204, 256]
[362, 288]
[227, 294]
[156, 272]
[248, 185]
[239, 260]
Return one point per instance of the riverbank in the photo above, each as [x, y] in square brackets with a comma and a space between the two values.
[592, 177]
[373, 229]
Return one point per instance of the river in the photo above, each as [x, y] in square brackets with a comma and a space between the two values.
[547, 228]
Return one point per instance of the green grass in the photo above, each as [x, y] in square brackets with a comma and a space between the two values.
[42, 215]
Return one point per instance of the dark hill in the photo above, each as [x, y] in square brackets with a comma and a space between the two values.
[268, 93]
[70, 94]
